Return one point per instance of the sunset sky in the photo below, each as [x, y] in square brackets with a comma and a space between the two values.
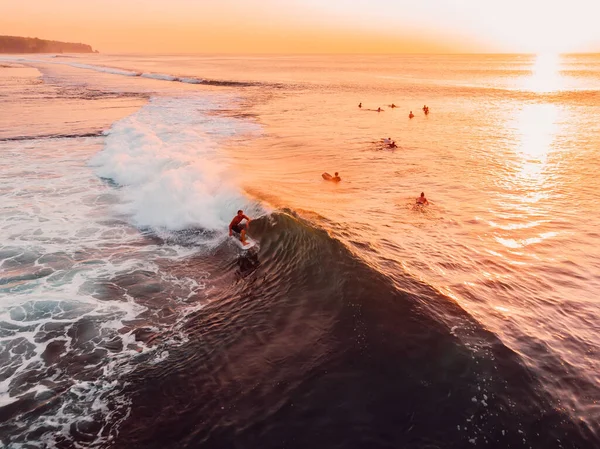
[310, 26]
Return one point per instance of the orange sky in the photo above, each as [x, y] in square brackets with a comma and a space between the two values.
[310, 26]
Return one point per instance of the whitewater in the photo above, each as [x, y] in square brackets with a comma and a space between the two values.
[78, 219]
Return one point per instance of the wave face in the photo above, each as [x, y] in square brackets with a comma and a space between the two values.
[303, 345]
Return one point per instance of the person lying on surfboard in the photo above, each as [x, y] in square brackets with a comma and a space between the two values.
[237, 226]
[327, 177]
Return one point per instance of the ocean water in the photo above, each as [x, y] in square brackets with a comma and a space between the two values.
[129, 319]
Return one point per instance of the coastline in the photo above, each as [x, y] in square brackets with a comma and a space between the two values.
[18, 44]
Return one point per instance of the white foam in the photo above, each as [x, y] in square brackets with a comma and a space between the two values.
[167, 157]
[105, 69]
[58, 221]
[112, 70]
[159, 76]
[191, 80]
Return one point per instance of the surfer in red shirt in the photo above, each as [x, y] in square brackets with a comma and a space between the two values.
[238, 227]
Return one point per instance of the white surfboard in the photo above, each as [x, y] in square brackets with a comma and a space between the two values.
[249, 242]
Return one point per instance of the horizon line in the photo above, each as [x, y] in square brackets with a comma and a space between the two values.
[343, 54]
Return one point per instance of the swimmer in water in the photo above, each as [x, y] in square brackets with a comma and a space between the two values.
[360, 105]
[411, 115]
[393, 106]
[393, 144]
[379, 109]
[336, 177]
[422, 200]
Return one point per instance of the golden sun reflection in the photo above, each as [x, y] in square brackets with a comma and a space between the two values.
[537, 128]
[545, 76]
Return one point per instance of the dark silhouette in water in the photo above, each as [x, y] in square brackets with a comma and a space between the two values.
[248, 263]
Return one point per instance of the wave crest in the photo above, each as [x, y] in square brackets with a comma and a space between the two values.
[166, 157]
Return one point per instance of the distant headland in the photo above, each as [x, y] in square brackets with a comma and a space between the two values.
[14, 44]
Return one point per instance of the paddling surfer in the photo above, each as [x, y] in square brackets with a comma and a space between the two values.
[238, 227]
[422, 200]
[327, 177]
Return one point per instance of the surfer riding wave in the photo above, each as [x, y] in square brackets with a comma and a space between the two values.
[238, 227]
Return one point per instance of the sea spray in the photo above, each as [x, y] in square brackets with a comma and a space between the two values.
[167, 159]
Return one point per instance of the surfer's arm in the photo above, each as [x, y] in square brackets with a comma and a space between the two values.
[248, 220]
[230, 231]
